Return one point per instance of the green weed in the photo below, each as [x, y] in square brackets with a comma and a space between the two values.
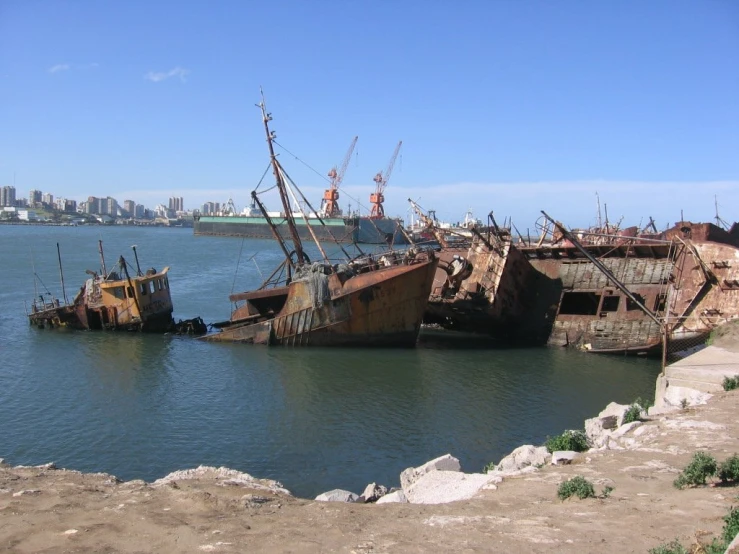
[576, 441]
[731, 383]
[700, 468]
[577, 486]
[728, 471]
[673, 547]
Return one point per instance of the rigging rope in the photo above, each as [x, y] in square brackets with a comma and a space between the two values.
[238, 261]
[262, 179]
[359, 203]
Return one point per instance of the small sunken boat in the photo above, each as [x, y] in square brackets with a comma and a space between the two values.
[374, 300]
[114, 300]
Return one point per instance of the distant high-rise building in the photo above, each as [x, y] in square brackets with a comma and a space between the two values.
[7, 196]
[176, 204]
[34, 197]
[47, 199]
[211, 208]
[111, 206]
[130, 207]
[93, 205]
[139, 211]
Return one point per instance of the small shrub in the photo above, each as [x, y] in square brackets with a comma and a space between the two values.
[731, 383]
[576, 441]
[633, 413]
[684, 403]
[730, 530]
[701, 467]
[728, 471]
[606, 491]
[489, 467]
[673, 547]
[577, 486]
[731, 526]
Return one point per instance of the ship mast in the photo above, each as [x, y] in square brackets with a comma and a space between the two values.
[297, 244]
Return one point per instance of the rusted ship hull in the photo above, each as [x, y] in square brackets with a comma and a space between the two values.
[499, 298]
[116, 301]
[383, 307]
[689, 284]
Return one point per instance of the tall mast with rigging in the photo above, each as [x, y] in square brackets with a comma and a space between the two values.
[297, 244]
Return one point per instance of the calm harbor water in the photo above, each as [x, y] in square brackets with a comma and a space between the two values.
[141, 406]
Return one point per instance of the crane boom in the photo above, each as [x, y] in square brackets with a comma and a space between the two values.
[330, 204]
[338, 176]
[381, 179]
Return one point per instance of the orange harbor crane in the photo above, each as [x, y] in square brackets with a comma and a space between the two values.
[381, 179]
[330, 202]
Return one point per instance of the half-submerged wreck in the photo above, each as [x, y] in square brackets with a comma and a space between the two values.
[115, 300]
[370, 300]
[631, 292]
[601, 290]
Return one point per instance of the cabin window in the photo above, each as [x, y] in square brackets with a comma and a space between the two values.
[166, 283]
[659, 302]
[631, 305]
[579, 303]
[118, 292]
[159, 284]
[151, 287]
[129, 290]
[610, 303]
[144, 288]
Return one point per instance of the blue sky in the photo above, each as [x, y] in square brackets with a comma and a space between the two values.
[506, 106]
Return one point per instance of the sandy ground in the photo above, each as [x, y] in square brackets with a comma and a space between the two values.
[727, 336]
[50, 510]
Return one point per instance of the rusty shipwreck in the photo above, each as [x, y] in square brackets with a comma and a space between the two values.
[118, 299]
[483, 283]
[606, 290]
[367, 300]
[635, 292]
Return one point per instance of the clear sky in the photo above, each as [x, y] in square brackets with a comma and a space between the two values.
[510, 106]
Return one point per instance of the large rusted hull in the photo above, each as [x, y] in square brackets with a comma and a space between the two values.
[692, 285]
[500, 297]
[383, 307]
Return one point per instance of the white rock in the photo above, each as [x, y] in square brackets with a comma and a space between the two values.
[222, 476]
[523, 456]
[563, 457]
[337, 495]
[372, 492]
[71, 532]
[439, 487]
[621, 431]
[396, 496]
[674, 396]
[447, 462]
[595, 430]
[614, 409]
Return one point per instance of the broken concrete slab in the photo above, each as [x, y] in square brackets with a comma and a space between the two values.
[439, 487]
[337, 495]
[447, 462]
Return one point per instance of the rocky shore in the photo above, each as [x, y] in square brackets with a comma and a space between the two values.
[513, 508]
